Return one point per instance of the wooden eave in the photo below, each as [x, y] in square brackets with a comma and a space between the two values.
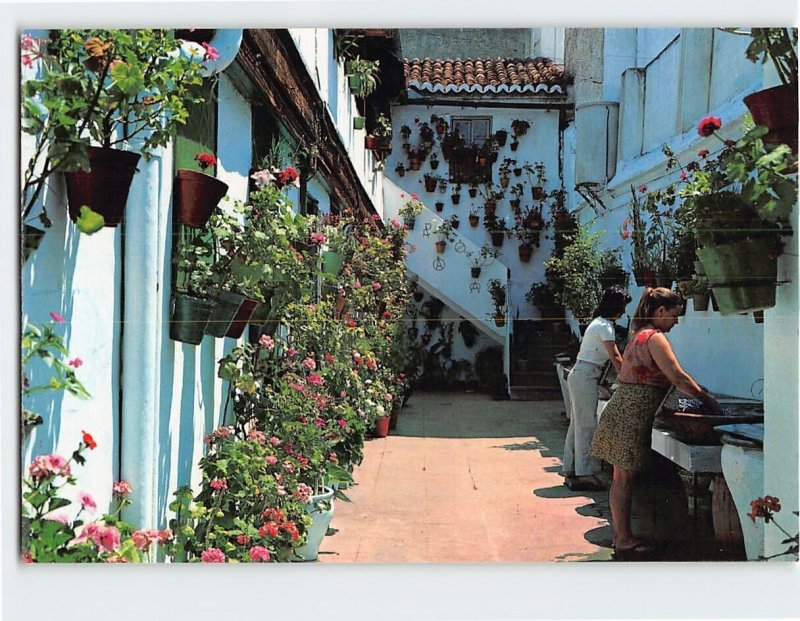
[274, 65]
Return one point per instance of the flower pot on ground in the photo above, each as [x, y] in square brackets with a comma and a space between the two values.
[382, 427]
[189, 318]
[104, 187]
[241, 318]
[525, 252]
[321, 511]
[226, 306]
[742, 275]
[196, 196]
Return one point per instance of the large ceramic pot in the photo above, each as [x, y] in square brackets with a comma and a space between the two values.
[226, 307]
[196, 196]
[742, 275]
[104, 187]
[189, 318]
[320, 520]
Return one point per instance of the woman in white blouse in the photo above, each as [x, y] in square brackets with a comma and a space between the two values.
[597, 347]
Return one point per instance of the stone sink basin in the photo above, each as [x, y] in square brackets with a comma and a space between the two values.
[698, 427]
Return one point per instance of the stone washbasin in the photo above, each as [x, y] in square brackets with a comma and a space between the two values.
[686, 418]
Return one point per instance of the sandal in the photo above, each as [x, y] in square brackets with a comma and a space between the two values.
[581, 484]
[637, 548]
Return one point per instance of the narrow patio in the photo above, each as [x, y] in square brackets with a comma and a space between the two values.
[467, 479]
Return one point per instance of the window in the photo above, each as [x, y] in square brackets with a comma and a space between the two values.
[465, 165]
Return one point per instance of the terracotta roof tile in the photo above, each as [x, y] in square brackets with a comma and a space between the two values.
[501, 75]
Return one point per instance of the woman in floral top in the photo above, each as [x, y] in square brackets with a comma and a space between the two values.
[649, 367]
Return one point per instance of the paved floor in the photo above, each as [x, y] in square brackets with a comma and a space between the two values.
[464, 478]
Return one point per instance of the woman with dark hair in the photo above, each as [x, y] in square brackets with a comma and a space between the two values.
[623, 436]
[598, 346]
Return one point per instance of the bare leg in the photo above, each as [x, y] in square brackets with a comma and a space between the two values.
[619, 498]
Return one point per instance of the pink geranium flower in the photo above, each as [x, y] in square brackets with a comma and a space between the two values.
[219, 484]
[259, 554]
[212, 555]
[122, 488]
[87, 502]
[266, 341]
[76, 362]
[211, 52]
[315, 380]
[48, 465]
[303, 493]
[57, 318]
[309, 363]
[376, 286]
[709, 125]
[271, 460]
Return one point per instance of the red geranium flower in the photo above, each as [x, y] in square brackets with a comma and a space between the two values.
[709, 125]
[205, 160]
[88, 440]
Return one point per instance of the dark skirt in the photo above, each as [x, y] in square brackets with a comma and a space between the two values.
[624, 433]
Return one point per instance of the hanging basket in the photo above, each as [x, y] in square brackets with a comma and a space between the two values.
[242, 317]
[742, 275]
[776, 108]
[332, 262]
[226, 307]
[104, 188]
[196, 196]
[189, 318]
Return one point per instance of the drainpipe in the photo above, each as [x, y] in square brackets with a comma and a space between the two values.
[141, 338]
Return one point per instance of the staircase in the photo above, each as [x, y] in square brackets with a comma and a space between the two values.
[534, 344]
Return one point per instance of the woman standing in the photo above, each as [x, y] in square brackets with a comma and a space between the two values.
[623, 435]
[598, 346]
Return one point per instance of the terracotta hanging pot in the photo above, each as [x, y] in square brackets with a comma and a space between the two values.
[475, 272]
[504, 181]
[104, 188]
[473, 192]
[501, 136]
[434, 164]
[525, 253]
[456, 198]
[537, 192]
[242, 317]
[430, 184]
[776, 108]
[497, 238]
[440, 246]
[439, 206]
[499, 320]
[489, 208]
[473, 220]
[414, 164]
[196, 196]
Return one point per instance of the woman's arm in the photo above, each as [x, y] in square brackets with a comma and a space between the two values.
[613, 354]
[665, 358]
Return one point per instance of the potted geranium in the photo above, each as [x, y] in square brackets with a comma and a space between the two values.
[520, 127]
[500, 136]
[485, 257]
[528, 228]
[410, 210]
[537, 179]
[416, 155]
[433, 160]
[498, 229]
[92, 101]
[380, 139]
[738, 207]
[504, 171]
[431, 181]
[491, 196]
[444, 233]
[197, 193]
[426, 136]
[400, 169]
[497, 291]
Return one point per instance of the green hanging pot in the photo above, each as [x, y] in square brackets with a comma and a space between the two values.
[262, 312]
[225, 309]
[189, 318]
[742, 275]
[355, 84]
[358, 122]
[332, 262]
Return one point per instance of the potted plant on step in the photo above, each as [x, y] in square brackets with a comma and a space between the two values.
[542, 295]
[410, 210]
[497, 291]
[651, 233]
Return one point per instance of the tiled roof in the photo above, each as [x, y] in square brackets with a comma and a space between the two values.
[501, 75]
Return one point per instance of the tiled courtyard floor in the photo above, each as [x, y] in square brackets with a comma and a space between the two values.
[464, 478]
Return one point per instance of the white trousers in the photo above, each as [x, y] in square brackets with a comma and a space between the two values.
[582, 383]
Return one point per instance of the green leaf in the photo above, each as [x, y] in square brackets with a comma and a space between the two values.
[89, 221]
[57, 503]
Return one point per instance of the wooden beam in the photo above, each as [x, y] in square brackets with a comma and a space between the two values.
[279, 74]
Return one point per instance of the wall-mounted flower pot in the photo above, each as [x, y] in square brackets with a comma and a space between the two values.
[497, 239]
[514, 202]
[261, 315]
[473, 192]
[372, 143]
[225, 309]
[358, 122]
[499, 320]
[501, 135]
[189, 318]
[475, 272]
[418, 295]
[430, 185]
[434, 164]
[31, 239]
[455, 222]
[489, 209]
[743, 275]
[409, 222]
[537, 192]
[517, 172]
[332, 262]
[525, 253]
[196, 196]
[242, 317]
[439, 206]
[473, 220]
[514, 146]
[776, 108]
[401, 172]
[382, 427]
[483, 161]
[700, 300]
[504, 181]
[414, 164]
[354, 82]
[104, 188]
[440, 246]
[455, 198]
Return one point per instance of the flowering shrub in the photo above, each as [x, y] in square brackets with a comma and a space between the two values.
[765, 508]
